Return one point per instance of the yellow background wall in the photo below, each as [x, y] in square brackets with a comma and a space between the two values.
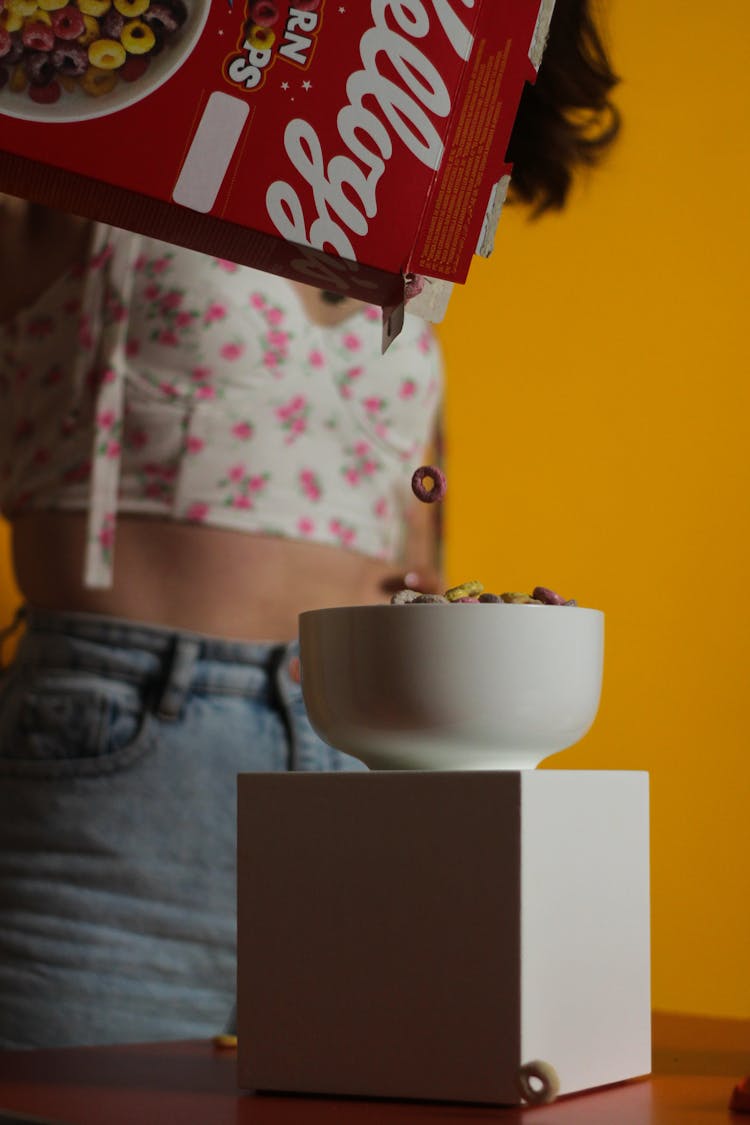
[9, 597]
[598, 442]
[597, 427]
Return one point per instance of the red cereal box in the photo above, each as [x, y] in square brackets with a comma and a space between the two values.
[345, 143]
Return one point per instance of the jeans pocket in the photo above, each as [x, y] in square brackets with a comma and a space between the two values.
[69, 724]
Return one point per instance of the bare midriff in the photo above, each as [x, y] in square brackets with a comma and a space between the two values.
[208, 580]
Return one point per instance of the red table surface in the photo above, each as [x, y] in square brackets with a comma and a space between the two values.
[697, 1062]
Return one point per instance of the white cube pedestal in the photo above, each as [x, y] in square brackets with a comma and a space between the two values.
[425, 934]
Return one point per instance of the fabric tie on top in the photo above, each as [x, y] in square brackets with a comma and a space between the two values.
[104, 317]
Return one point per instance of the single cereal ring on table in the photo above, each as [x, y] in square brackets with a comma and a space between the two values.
[264, 12]
[428, 483]
[225, 1042]
[261, 38]
[538, 1082]
[106, 54]
[470, 589]
[137, 37]
[97, 82]
[740, 1099]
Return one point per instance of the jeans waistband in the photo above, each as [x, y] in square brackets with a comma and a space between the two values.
[168, 661]
[120, 632]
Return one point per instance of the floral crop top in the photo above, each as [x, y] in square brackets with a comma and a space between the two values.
[160, 381]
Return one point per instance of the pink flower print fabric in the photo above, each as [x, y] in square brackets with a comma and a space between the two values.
[293, 416]
[204, 394]
[242, 486]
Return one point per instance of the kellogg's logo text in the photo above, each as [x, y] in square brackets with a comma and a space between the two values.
[266, 36]
[397, 94]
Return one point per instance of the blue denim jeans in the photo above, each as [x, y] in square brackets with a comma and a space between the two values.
[119, 750]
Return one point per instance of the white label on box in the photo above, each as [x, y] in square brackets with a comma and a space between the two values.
[210, 154]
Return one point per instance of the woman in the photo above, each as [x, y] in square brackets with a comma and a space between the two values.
[192, 453]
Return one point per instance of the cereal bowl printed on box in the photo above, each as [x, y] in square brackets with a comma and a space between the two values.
[90, 58]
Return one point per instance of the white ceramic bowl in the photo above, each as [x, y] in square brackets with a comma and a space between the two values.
[78, 106]
[470, 686]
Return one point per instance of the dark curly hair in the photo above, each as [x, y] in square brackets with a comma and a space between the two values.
[566, 120]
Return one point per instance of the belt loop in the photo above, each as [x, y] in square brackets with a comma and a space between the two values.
[178, 674]
[285, 670]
